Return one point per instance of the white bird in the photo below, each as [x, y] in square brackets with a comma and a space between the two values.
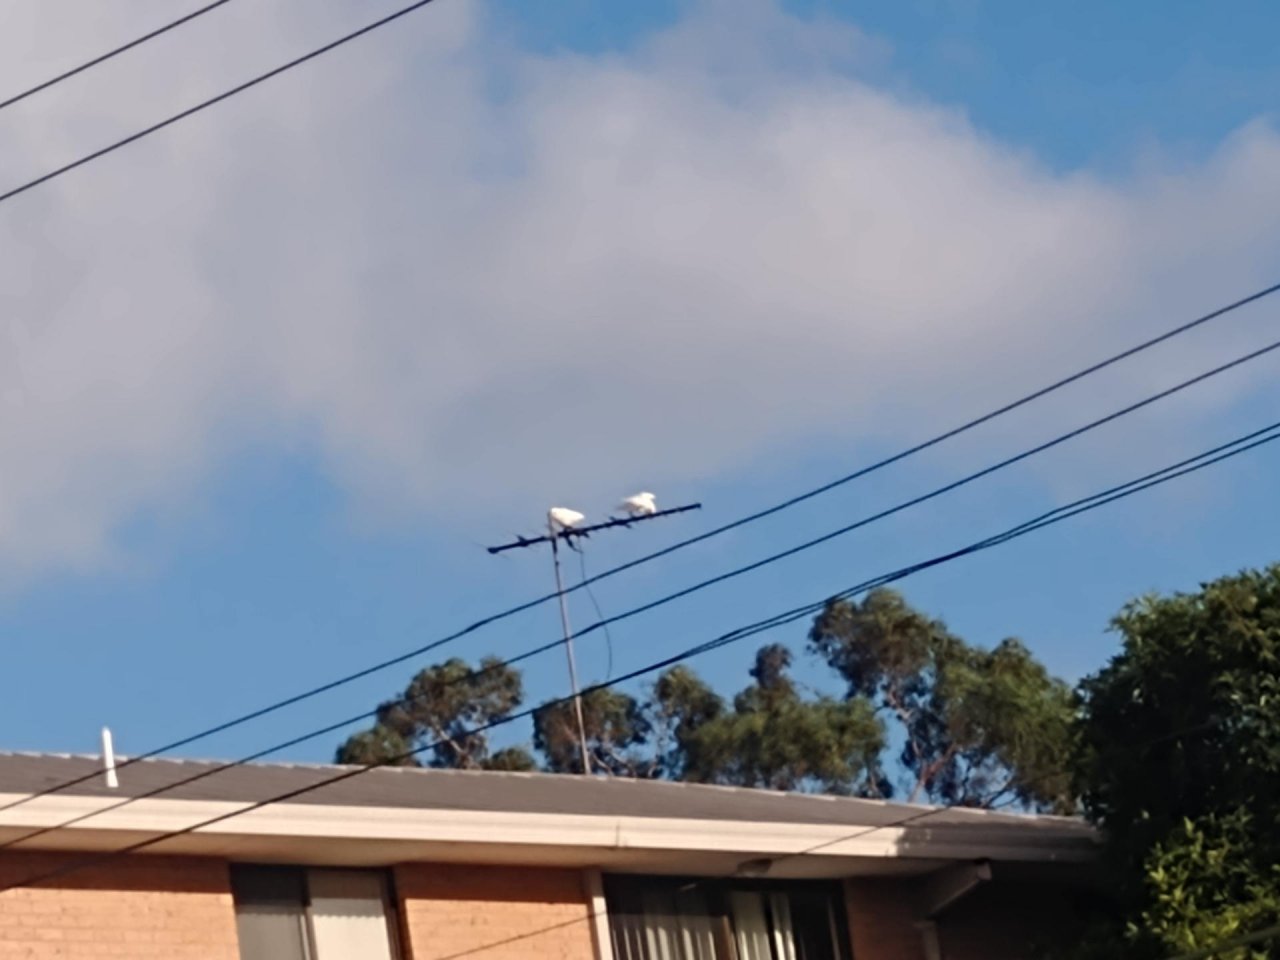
[560, 519]
[640, 505]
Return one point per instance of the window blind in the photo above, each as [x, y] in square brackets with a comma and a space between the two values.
[659, 918]
[292, 913]
[349, 916]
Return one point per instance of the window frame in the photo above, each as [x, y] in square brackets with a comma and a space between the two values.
[386, 881]
[717, 890]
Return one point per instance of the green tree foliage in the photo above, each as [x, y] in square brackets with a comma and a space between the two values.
[681, 704]
[439, 712]
[1179, 761]
[379, 744]
[981, 728]
[776, 738]
[617, 732]
[1202, 887]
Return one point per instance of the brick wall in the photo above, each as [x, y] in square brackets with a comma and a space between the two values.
[146, 908]
[162, 908]
[494, 913]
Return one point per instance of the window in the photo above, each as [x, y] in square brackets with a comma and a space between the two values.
[671, 919]
[291, 913]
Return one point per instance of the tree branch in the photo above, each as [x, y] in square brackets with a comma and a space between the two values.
[931, 770]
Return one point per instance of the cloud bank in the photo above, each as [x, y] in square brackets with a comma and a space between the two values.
[461, 277]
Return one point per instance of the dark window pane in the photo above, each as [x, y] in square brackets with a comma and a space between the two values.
[270, 912]
[818, 924]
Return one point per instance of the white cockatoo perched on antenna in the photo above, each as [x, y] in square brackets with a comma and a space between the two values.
[561, 519]
[640, 505]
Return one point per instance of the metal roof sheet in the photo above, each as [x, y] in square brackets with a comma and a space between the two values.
[538, 793]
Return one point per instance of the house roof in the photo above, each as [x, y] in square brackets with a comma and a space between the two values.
[539, 810]
[416, 788]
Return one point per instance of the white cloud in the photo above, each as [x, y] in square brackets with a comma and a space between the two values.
[453, 269]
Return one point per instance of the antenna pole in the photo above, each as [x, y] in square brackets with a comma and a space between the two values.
[568, 649]
[553, 537]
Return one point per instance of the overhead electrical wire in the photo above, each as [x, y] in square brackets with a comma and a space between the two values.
[595, 605]
[212, 101]
[946, 435]
[271, 708]
[103, 58]
[604, 622]
[1163, 475]
[915, 816]
[932, 494]
[927, 813]
[1054, 516]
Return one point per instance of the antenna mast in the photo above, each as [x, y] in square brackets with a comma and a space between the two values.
[553, 537]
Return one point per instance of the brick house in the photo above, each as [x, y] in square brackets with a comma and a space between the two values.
[406, 864]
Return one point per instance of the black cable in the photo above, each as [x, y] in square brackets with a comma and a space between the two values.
[603, 623]
[586, 582]
[1058, 514]
[608, 638]
[1204, 953]
[1148, 480]
[205, 104]
[53, 81]
[1083, 505]
[364, 768]
[939, 491]
[922, 814]
[947, 435]
[1009, 461]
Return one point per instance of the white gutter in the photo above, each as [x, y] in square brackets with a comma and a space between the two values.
[1036, 841]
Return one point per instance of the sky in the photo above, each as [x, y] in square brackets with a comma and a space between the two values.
[271, 379]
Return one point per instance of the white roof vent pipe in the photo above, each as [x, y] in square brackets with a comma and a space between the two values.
[109, 759]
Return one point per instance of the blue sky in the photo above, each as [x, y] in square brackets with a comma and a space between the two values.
[218, 493]
[1089, 85]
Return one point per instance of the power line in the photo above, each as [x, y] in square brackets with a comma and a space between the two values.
[103, 58]
[566, 529]
[593, 915]
[1209, 457]
[911, 818]
[936, 492]
[271, 708]
[608, 638]
[1258, 936]
[1058, 514]
[206, 104]
[1140, 483]
[364, 768]
[586, 583]
[946, 435]
[1083, 505]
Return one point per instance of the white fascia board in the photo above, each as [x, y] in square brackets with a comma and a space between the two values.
[996, 841]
